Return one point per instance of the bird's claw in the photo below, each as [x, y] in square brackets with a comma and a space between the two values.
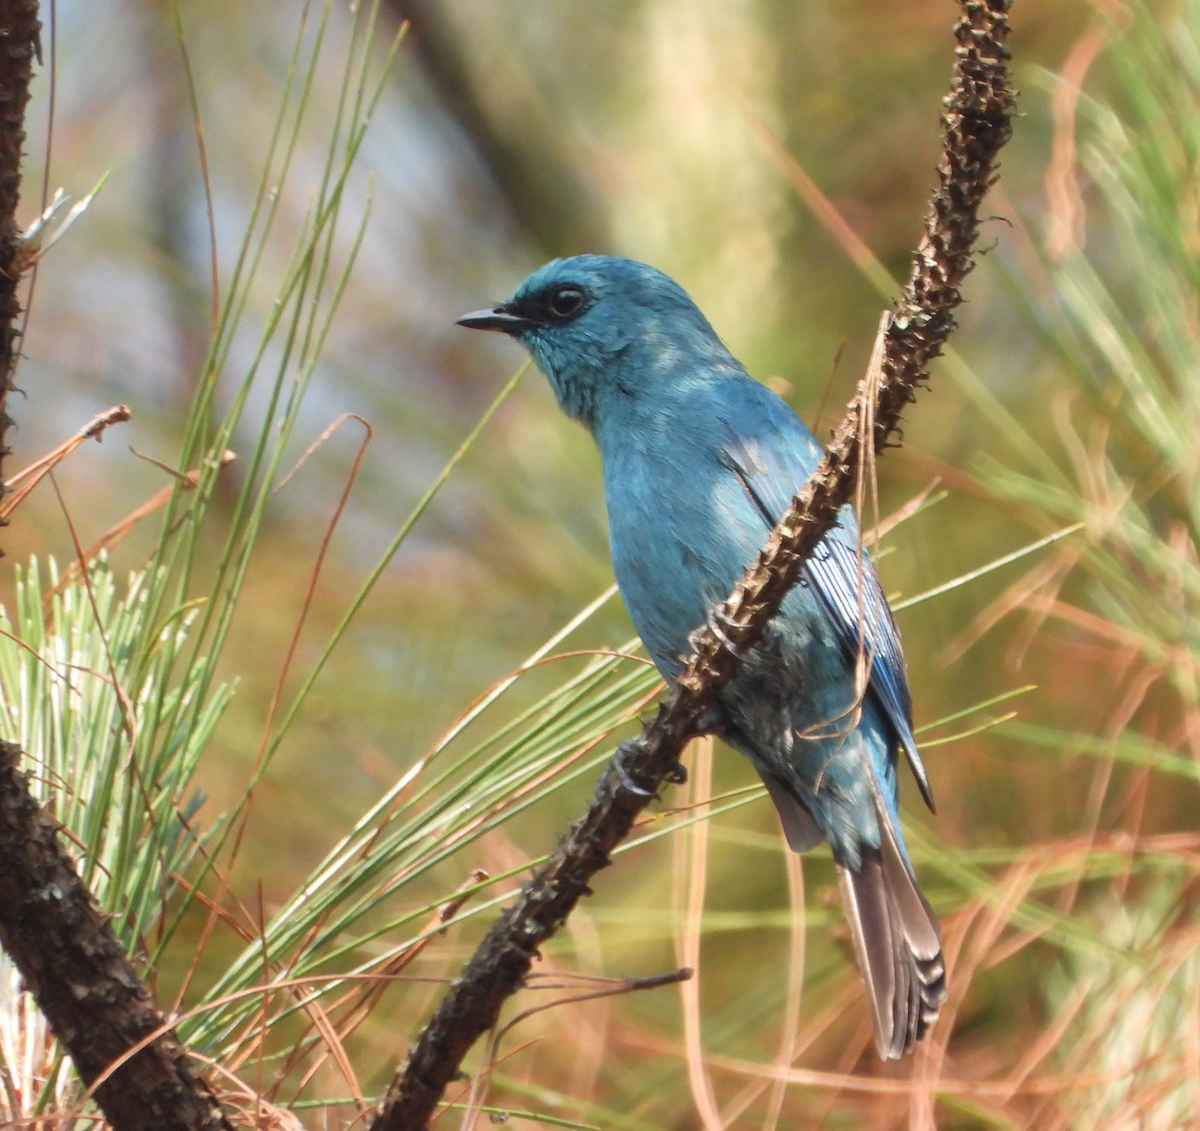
[709, 721]
[618, 764]
[676, 775]
[713, 621]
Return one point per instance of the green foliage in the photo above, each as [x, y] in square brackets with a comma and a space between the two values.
[100, 718]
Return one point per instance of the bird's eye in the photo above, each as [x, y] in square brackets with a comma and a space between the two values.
[565, 301]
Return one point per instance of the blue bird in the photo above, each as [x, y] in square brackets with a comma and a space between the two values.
[700, 461]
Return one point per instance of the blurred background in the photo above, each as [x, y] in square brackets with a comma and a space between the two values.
[713, 139]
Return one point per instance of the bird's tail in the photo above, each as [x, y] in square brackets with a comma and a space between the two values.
[897, 942]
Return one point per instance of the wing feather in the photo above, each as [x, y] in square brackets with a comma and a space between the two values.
[771, 452]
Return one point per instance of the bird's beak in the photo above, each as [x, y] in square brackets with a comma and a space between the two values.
[499, 319]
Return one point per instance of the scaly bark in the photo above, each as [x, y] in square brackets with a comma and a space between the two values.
[19, 44]
[82, 979]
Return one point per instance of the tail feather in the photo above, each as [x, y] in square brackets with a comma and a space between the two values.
[898, 945]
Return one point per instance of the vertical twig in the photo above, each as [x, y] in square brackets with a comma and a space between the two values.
[975, 125]
[63, 946]
[19, 44]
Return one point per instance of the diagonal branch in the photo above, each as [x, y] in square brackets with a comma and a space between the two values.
[82, 979]
[975, 126]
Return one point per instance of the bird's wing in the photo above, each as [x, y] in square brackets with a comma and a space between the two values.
[772, 453]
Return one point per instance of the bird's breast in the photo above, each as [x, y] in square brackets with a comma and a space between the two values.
[681, 532]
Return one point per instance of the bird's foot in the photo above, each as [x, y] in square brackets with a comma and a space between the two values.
[716, 622]
[709, 721]
[676, 775]
[618, 764]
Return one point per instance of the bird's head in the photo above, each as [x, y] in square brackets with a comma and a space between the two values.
[600, 327]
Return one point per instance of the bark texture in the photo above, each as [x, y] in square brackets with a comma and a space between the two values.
[975, 125]
[79, 974]
[19, 45]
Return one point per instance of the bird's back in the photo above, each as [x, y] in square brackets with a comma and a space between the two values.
[683, 528]
[689, 470]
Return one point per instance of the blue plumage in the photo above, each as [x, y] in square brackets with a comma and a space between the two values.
[699, 463]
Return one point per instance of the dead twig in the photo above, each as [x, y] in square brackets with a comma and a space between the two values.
[29, 477]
